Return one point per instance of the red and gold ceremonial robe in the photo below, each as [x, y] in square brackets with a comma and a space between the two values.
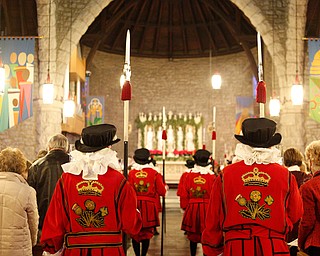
[148, 184]
[194, 198]
[309, 229]
[87, 216]
[251, 210]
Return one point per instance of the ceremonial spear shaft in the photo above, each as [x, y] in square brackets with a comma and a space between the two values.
[261, 97]
[164, 138]
[126, 97]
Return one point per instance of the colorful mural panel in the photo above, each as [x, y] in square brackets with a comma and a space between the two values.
[314, 79]
[17, 55]
[94, 110]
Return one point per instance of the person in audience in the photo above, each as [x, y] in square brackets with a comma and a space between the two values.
[93, 203]
[148, 184]
[45, 172]
[255, 201]
[293, 160]
[41, 153]
[18, 205]
[194, 197]
[309, 228]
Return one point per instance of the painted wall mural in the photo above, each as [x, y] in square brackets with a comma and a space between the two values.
[17, 55]
[314, 79]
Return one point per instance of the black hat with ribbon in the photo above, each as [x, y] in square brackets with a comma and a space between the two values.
[142, 156]
[259, 133]
[96, 137]
[202, 157]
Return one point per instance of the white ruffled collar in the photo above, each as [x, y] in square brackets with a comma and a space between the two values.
[202, 169]
[138, 167]
[92, 164]
[294, 168]
[252, 155]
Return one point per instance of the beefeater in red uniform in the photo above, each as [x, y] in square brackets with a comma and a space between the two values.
[93, 202]
[194, 197]
[255, 201]
[148, 184]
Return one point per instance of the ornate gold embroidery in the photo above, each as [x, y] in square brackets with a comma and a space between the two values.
[198, 193]
[141, 187]
[88, 218]
[256, 178]
[90, 188]
[254, 210]
[199, 180]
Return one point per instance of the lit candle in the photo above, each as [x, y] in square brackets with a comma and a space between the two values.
[164, 118]
[204, 135]
[214, 115]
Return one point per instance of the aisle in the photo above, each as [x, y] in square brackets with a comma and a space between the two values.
[175, 242]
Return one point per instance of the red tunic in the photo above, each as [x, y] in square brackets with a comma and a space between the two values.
[148, 184]
[194, 198]
[309, 229]
[252, 207]
[88, 216]
[183, 201]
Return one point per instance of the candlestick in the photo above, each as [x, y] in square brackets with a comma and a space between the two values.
[214, 115]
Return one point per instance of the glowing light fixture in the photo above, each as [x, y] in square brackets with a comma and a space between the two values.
[69, 107]
[216, 81]
[48, 87]
[274, 107]
[297, 87]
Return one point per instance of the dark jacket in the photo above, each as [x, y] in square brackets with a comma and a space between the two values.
[43, 176]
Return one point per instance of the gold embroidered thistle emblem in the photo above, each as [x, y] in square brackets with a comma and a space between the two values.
[254, 209]
[141, 187]
[90, 188]
[89, 218]
[256, 178]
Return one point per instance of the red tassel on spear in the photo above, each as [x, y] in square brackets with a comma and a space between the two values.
[261, 92]
[126, 91]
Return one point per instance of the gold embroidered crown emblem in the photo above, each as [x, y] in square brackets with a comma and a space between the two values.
[199, 180]
[89, 187]
[141, 174]
[256, 178]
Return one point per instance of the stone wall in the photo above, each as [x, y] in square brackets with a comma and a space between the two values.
[178, 85]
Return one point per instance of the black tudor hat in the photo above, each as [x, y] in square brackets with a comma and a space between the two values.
[202, 157]
[259, 133]
[97, 137]
[190, 163]
[142, 156]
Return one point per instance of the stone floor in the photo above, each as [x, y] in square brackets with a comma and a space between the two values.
[175, 242]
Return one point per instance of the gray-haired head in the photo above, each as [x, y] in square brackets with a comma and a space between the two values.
[58, 141]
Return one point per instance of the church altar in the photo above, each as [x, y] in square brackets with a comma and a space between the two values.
[185, 135]
[173, 170]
